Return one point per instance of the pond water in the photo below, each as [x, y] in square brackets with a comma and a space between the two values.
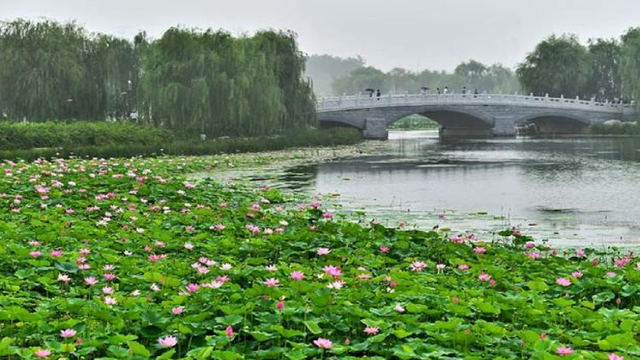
[570, 191]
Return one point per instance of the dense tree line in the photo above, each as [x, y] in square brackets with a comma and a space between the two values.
[325, 69]
[472, 74]
[189, 81]
[603, 69]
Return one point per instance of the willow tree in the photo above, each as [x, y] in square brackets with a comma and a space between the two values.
[42, 70]
[557, 66]
[630, 65]
[209, 82]
[53, 71]
[288, 65]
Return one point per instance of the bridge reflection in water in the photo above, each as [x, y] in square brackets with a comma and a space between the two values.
[469, 115]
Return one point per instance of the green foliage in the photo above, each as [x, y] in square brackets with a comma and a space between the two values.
[604, 57]
[414, 122]
[59, 71]
[559, 65]
[76, 134]
[473, 75]
[188, 81]
[622, 128]
[324, 69]
[66, 224]
[151, 141]
[211, 83]
[630, 65]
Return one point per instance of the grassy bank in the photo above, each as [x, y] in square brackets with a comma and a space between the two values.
[24, 136]
[300, 138]
[128, 260]
[619, 128]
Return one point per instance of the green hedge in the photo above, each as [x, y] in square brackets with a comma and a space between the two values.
[300, 138]
[626, 128]
[15, 136]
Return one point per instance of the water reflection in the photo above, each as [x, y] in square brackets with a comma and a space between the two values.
[571, 190]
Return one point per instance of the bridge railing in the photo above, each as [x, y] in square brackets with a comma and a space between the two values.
[365, 101]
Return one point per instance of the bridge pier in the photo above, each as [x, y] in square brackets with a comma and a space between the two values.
[375, 128]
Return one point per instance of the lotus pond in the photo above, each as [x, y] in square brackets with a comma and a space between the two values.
[126, 259]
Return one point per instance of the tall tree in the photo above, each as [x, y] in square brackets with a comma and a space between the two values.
[630, 65]
[604, 59]
[324, 69]
[559, 65]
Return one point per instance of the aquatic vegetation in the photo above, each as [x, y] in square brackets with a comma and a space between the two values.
[127, 259]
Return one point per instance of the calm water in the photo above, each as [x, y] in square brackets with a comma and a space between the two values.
[581, 191]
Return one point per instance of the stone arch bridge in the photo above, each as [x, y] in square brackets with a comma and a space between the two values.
[470, 114]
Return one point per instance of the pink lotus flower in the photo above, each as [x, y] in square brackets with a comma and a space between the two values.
[529, 245]
[323, 343]
[480, 250]
[562, 351]
[64, 278]
[168, 341]
[323, 251]
[178, 310]
[229, 332]
[213, 284]
[615, 357]
[107, 290]
[110, 301]
[440, 267]
[280, 305]
[56, 253]
[398, 308]
[622, 262]
[384, 249]
[35, 254]
[271, 282]
[332, 271]
[43, 353]
[563, 281]
[271, 268]
[580, 252]
[188, 246]
[327, 215]
[463, 267]
[534, 255]
[371, 330]
[109, 277]
[297, 275]
[484, 277]
[192, 287]
[337, 285]
[577, 274]
[202, 270]
[67, 333]
[418, 265]
[457, 239]
[611, 274]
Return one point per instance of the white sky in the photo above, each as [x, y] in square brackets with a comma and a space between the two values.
[414, 34]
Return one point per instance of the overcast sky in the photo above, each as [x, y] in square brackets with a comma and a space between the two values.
[414, 34]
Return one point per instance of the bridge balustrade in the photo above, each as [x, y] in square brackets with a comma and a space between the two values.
[365, 101]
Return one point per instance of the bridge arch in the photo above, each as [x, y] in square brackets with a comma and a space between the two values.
[553, 123]
[454, 122]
